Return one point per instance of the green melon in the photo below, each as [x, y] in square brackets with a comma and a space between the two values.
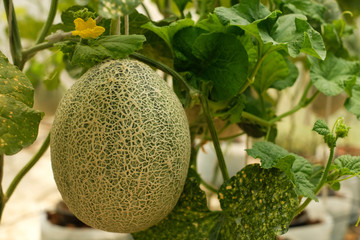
[120, 147]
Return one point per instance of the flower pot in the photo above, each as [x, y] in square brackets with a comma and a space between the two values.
[207, 163]
[319, 227]
[62, 225]
[339, 206]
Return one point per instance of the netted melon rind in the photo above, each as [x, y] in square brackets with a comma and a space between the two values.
[120, 147]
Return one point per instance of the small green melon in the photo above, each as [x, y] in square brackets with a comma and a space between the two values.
[120, 147]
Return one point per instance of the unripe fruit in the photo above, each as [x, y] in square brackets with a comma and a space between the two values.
[120, 147]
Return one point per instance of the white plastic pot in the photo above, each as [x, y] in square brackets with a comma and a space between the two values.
[207, 163]
[339, 207]
[318, 231]
[50, 231]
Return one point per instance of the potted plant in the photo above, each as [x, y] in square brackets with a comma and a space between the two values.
[124, 155]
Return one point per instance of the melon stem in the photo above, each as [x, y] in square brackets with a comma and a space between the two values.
[215, 138]
[166, 69]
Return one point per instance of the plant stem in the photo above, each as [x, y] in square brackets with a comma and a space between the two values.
[2, 199]
[126, 25]
[231, 137]
[14, 35]
[49, 21]
[304, 101]
[321, 183]
[256, 119]
[26, 169]
[261, 58]
[38, 47]
[166, 69]
[29, 53]
[214, 136]
[208, 186]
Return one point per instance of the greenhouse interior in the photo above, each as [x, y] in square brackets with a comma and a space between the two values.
[180, 120]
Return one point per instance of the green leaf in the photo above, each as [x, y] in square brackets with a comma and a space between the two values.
[190, 219]
[116, 8]
[19, 122]
[269, 153]
[217, 58]
[276, 71]
[333, 75]
[154, 46]
[293, 34]
[274, 156]
[303, 172]
[211, 24]
[348, 165]
[352, 104]
[302, 166]
[230, 109]
[290, 79]
[224, 62]
[304, 187]
[183, 43]
[308, 8]
[251, 49]
[261, 201]
[246, 15]
[167, 32]
[333, 34]
[112, 46]
[321, 127]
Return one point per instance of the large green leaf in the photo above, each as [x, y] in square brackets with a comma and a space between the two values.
[297, 168]
[190, 219]
[167, 32]
[218, 58]
[333, 75]
[257, 204]
[275, 71]
[224, 62]
[262, 202]
[112, 46]
[19, 123]
[308, 8]
[115, 8]
[183, 42]
[211, 24]
[352, 104]
[269, 153]
[293, 34]
[246, 15]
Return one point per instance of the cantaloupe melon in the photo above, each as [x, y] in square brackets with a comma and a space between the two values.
[120, 147]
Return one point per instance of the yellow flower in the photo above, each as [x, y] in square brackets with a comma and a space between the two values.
[87, 29]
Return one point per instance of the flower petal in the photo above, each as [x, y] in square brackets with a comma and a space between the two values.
[87, 29]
